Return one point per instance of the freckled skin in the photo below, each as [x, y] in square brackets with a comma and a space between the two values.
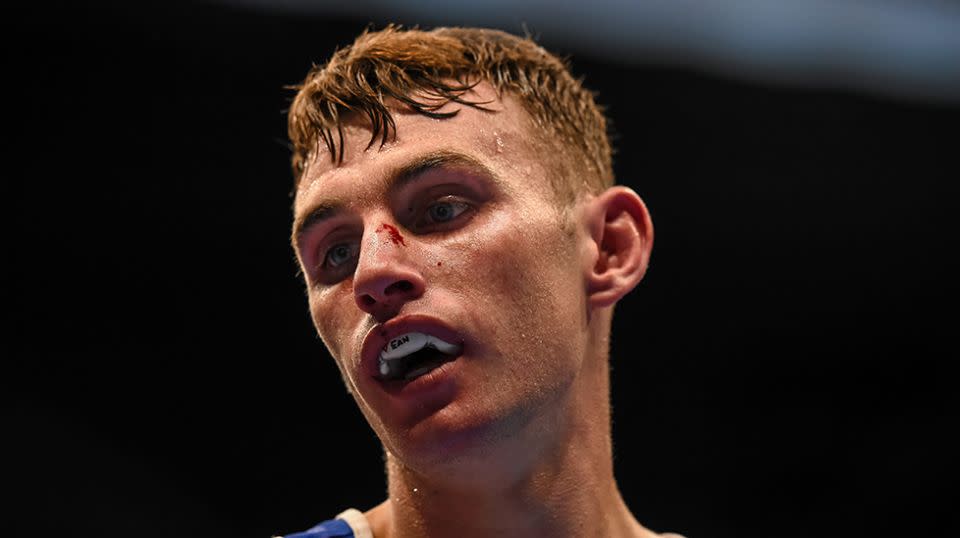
[531, 408]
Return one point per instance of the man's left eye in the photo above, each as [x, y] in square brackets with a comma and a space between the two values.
[446, 211]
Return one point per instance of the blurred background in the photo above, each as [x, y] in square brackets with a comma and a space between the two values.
[782, 371]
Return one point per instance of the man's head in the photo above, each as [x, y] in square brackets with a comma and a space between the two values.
[426, 69]
[452, 190]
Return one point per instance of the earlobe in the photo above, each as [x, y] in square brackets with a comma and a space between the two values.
[621, 235]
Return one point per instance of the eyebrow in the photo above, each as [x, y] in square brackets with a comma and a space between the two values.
[398, 179]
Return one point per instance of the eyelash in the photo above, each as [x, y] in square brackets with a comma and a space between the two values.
[324, 266]
[326, 257]
[447, 200]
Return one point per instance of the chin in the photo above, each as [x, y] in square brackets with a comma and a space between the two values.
[455, 444]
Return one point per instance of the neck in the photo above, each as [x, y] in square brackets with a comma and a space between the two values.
[567, 490]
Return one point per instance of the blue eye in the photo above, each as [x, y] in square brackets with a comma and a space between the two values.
[446, 211]
[339, 254]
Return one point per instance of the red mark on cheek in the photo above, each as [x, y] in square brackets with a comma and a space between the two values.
[394, 233]
[439, 264]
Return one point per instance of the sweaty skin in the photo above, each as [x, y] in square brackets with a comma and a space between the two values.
[520, 443]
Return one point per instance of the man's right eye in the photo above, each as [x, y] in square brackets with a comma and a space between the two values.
[339, 255]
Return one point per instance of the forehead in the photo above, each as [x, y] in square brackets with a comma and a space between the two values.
[500, 137]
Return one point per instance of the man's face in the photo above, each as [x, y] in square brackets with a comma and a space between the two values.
[451, 231]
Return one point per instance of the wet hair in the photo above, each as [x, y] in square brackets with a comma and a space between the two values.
[425, 70]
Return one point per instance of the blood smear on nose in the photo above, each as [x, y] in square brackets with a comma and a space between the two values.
[393, 232]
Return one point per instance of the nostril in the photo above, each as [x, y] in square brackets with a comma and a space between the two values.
[401, 286]
[395, 294]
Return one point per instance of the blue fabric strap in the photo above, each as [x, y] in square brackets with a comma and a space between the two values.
[332, 528]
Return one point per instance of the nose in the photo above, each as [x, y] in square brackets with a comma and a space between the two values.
[386, 276]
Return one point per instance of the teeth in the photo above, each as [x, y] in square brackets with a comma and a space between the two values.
[408, 343]
[392, 366]
[404, 345]
[441, 346]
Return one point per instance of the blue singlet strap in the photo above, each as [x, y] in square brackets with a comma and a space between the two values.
[332, 528]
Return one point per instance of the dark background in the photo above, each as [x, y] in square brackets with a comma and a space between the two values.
[782, 370]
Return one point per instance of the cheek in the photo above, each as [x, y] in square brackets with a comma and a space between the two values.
[526, 290]
[332, 329]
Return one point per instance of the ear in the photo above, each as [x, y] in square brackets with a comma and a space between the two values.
[620, 238]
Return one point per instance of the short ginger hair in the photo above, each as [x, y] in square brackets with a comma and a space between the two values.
[425, 70]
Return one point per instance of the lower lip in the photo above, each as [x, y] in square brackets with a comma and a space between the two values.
[438, 379]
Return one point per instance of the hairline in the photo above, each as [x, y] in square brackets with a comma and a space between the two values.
[566, 191]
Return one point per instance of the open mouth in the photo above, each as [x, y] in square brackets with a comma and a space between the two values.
[411, 355]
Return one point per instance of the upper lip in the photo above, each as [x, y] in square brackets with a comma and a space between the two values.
[380, 335]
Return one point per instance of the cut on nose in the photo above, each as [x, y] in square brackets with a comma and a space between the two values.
[386, 277]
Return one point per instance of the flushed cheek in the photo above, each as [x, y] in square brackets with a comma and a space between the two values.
[527, 293]
[339, 334]
[333, 329]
